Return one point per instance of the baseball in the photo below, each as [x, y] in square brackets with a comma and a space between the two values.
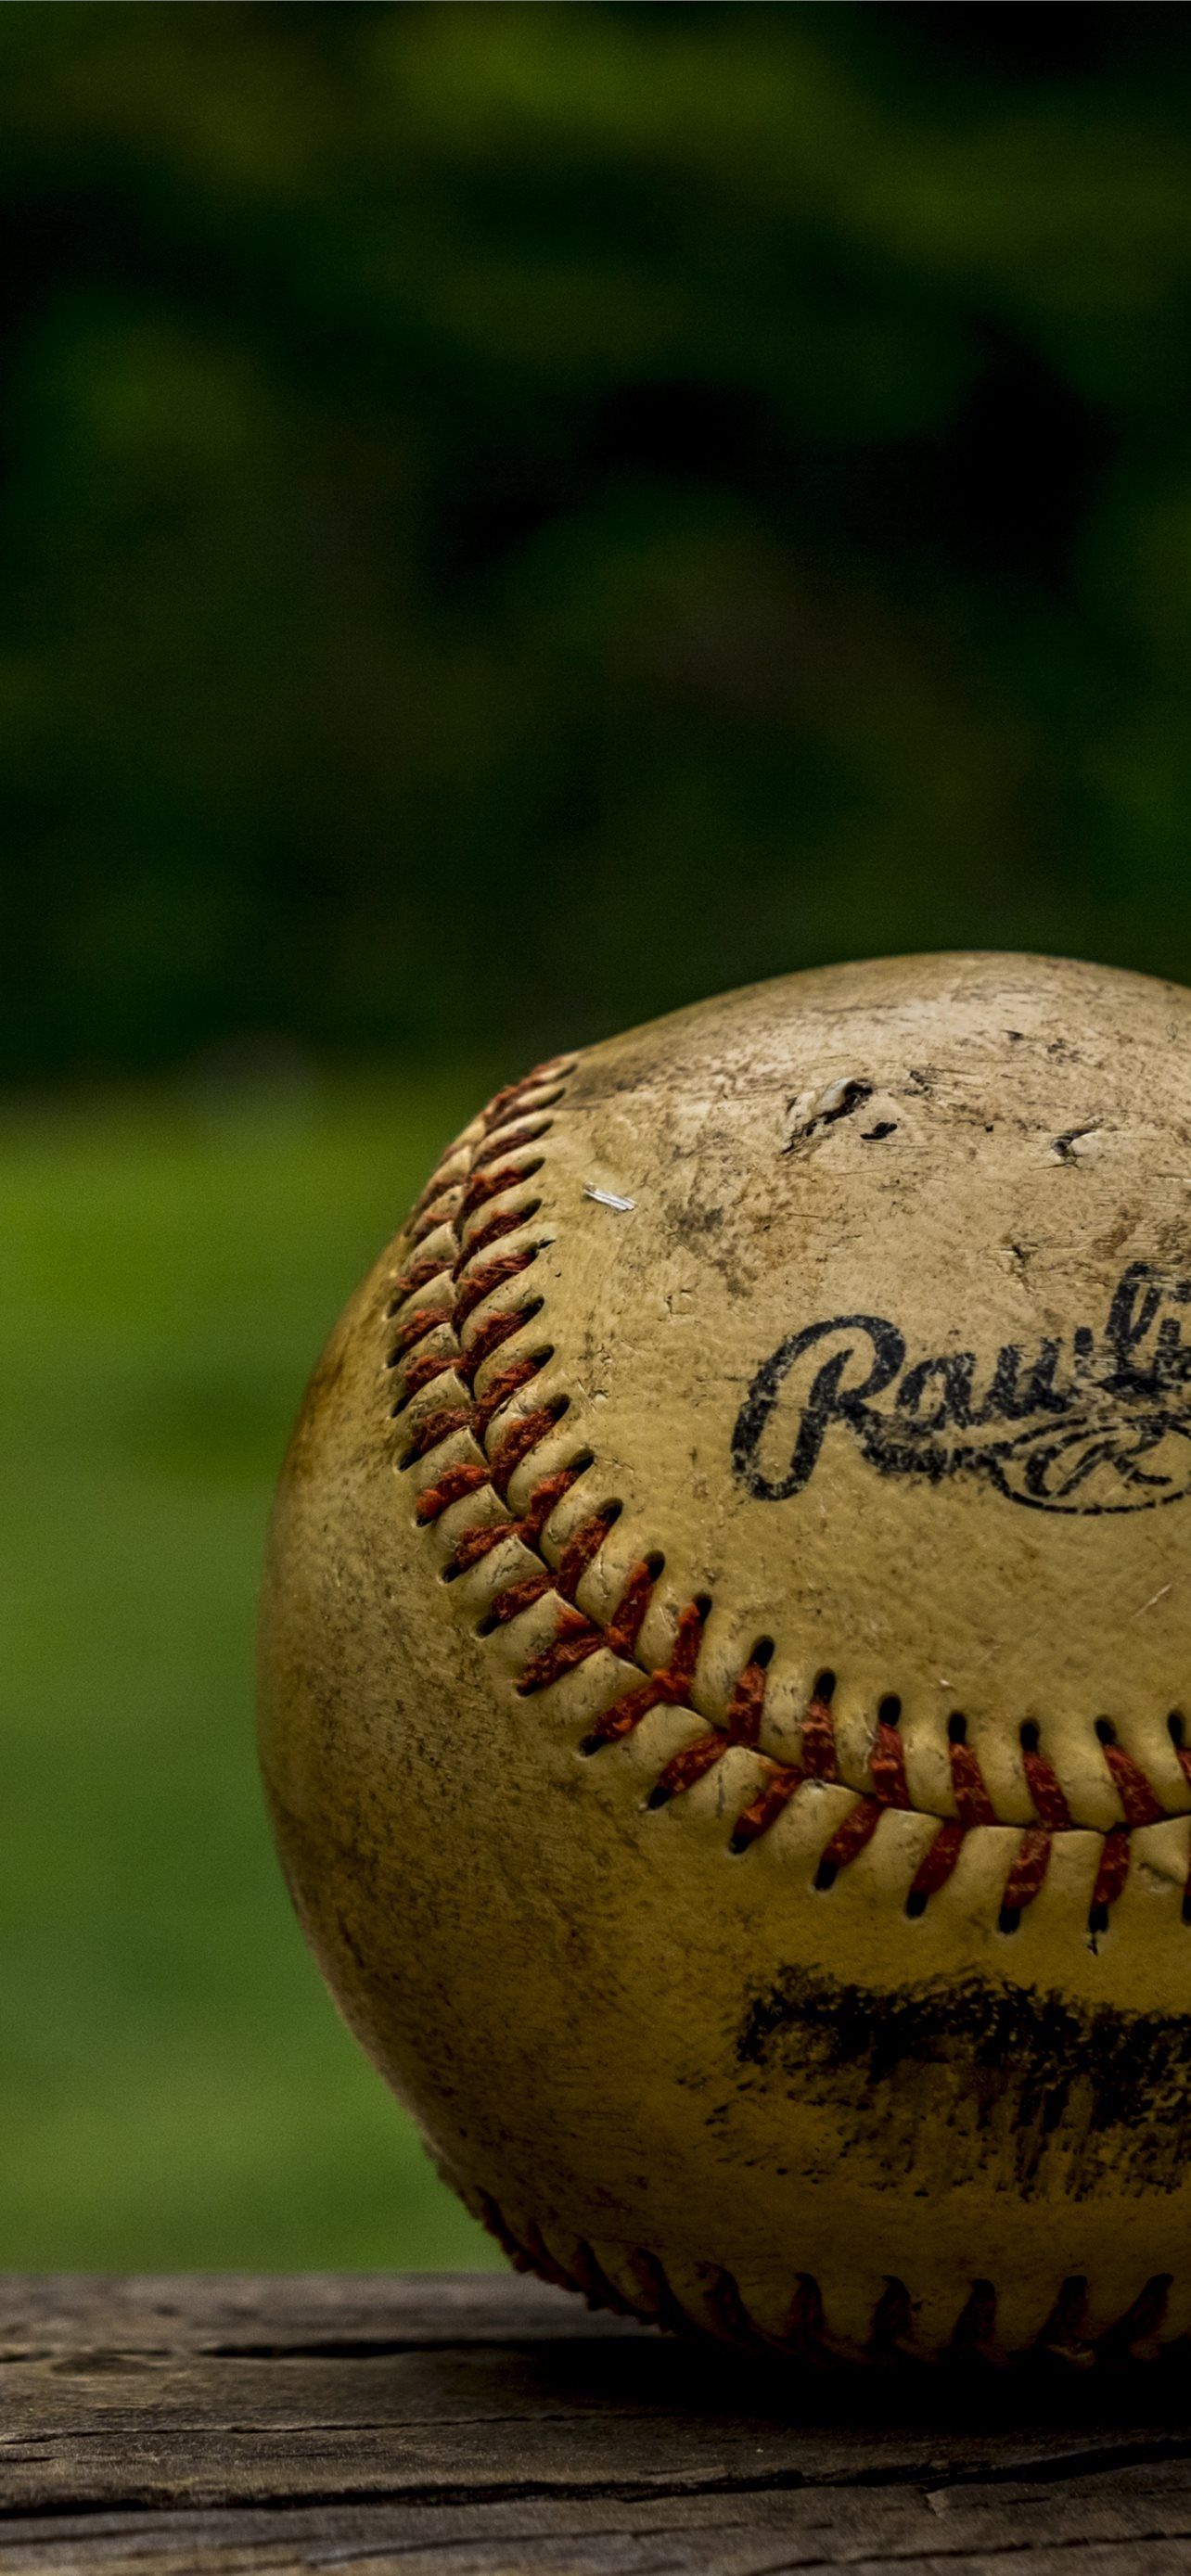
[725, 1645]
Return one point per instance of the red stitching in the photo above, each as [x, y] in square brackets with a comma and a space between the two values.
[418, 1228]
[804, 2334]
[887, 1763]
[1132, 1787]
[517, 1597]
[936, 1867]
[491, 1274]
[805, 2326]
[491, 1185]
[435, 1428]
[451, 1488]
[487, 1338]
[1045, 1791]
[976, 2324]
[967, 1780]
[685, 1768]
[767, 1806]
[523, 1436]
[419, 1275]
[582, 1546]
[1112, 1873]
[437, 1187]
[819, 1758]
[546, 1495]
[742, 1725]
[666, 1688]
[893, 2319]
[479, 1542]
[503, 1384]
[849, 1839]
[1028, 1870]
[509, 1141]
[575, 1638]
[516, 1120]
[424, 1319]
[505, 1221]
[626, 1622]
[422, 1372]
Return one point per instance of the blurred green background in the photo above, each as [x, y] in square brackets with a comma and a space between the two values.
[511, 518]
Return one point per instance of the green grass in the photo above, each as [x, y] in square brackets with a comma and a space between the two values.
[178, 2089]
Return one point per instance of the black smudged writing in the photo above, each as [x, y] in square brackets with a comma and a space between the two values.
[1093, 1422]
[1059, 2094]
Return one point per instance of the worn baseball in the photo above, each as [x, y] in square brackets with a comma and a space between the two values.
[726, 1636]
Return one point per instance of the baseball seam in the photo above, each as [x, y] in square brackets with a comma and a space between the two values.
[644, 2290]
[462, 1256]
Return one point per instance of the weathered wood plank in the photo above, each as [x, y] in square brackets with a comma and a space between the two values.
[488, 2425]
[753, 2540]
[202, 2311]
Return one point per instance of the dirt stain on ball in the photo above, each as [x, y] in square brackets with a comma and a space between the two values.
[1061, 2094]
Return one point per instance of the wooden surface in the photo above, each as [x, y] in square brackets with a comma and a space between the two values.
[486, 2424]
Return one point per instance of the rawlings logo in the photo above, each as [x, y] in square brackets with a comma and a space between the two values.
[1100, 1422]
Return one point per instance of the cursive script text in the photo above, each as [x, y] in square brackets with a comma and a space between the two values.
[1098, 1420]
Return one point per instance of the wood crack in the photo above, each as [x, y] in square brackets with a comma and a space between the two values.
[624, 2458]
[437, 2495]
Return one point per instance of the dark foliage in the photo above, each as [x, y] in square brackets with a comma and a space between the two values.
[514, 517]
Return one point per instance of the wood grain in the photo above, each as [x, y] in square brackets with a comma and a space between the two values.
[160, 2426]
